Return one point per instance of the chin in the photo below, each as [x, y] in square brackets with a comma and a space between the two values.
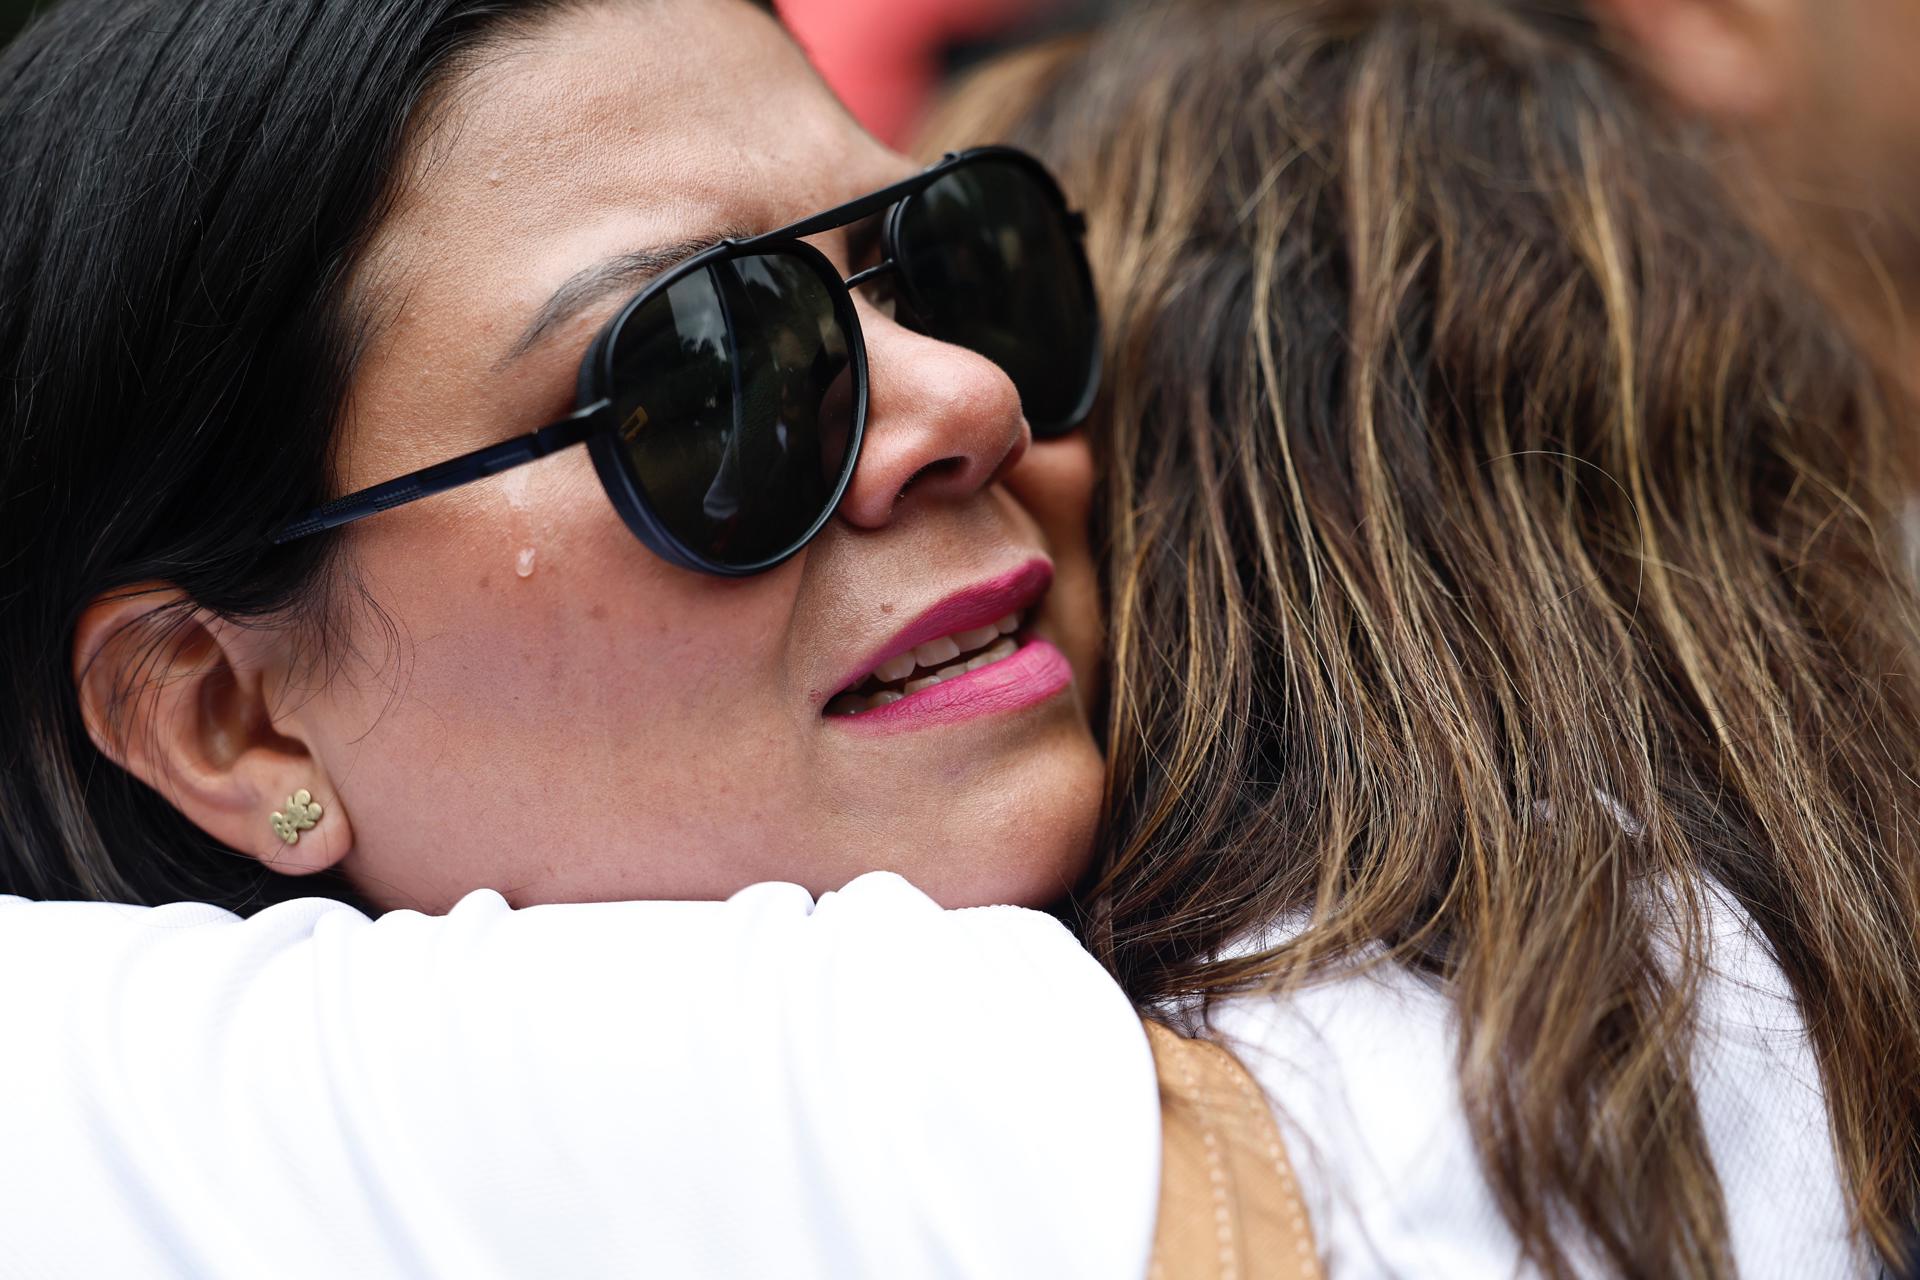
[1032, 852]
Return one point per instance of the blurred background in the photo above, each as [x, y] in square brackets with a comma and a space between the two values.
[887, 58]
[1823, 91]
[884, 57]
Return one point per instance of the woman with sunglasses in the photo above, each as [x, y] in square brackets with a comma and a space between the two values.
[463, 456]
[945, 1039]
[596, 634]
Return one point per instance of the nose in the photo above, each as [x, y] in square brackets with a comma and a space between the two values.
[943, 423]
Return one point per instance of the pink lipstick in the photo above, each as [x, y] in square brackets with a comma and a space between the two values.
[969, 655]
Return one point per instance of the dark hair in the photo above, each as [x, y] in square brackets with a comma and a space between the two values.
[185, 189]
[1501, 545]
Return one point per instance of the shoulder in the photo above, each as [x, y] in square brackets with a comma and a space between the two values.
[866, 1084]
[1362, 1068]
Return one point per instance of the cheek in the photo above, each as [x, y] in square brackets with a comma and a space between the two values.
[541, 599]
[1054, 482]
[553, 696]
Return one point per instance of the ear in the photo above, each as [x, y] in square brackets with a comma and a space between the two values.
[180, 698]
[1733, 61]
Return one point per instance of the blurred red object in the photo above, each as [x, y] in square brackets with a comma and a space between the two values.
[885, 57]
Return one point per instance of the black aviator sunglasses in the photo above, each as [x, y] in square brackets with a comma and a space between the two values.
[724, 405]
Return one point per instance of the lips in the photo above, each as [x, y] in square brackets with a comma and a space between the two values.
[967, 632]
[926, 665]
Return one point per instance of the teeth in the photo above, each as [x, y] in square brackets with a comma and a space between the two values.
[937, 658]
[975, 638]
[935, 652]
[852, 704]
[1003, 650]
[896, 668]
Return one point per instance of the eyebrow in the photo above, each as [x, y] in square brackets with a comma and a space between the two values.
[627, 271]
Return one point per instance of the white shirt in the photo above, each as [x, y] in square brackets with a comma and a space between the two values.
[763, 1087]
[1361, 1069]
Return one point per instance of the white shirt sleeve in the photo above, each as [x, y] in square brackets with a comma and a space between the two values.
[762, 1087]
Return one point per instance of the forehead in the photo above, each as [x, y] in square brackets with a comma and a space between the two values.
[662, 110]
[600, 130]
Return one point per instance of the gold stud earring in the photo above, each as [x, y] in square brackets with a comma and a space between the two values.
[301, 814]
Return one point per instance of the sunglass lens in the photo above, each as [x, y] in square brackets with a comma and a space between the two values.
[992, 264]
[734, 390]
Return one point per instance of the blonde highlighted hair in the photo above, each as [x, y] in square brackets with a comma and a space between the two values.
[1501, 549]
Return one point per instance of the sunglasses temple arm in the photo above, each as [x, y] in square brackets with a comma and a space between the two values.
[451, 474]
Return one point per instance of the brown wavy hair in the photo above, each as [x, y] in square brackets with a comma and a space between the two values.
[1501, 546]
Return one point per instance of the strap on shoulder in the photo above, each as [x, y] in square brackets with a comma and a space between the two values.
[1230, 1207]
